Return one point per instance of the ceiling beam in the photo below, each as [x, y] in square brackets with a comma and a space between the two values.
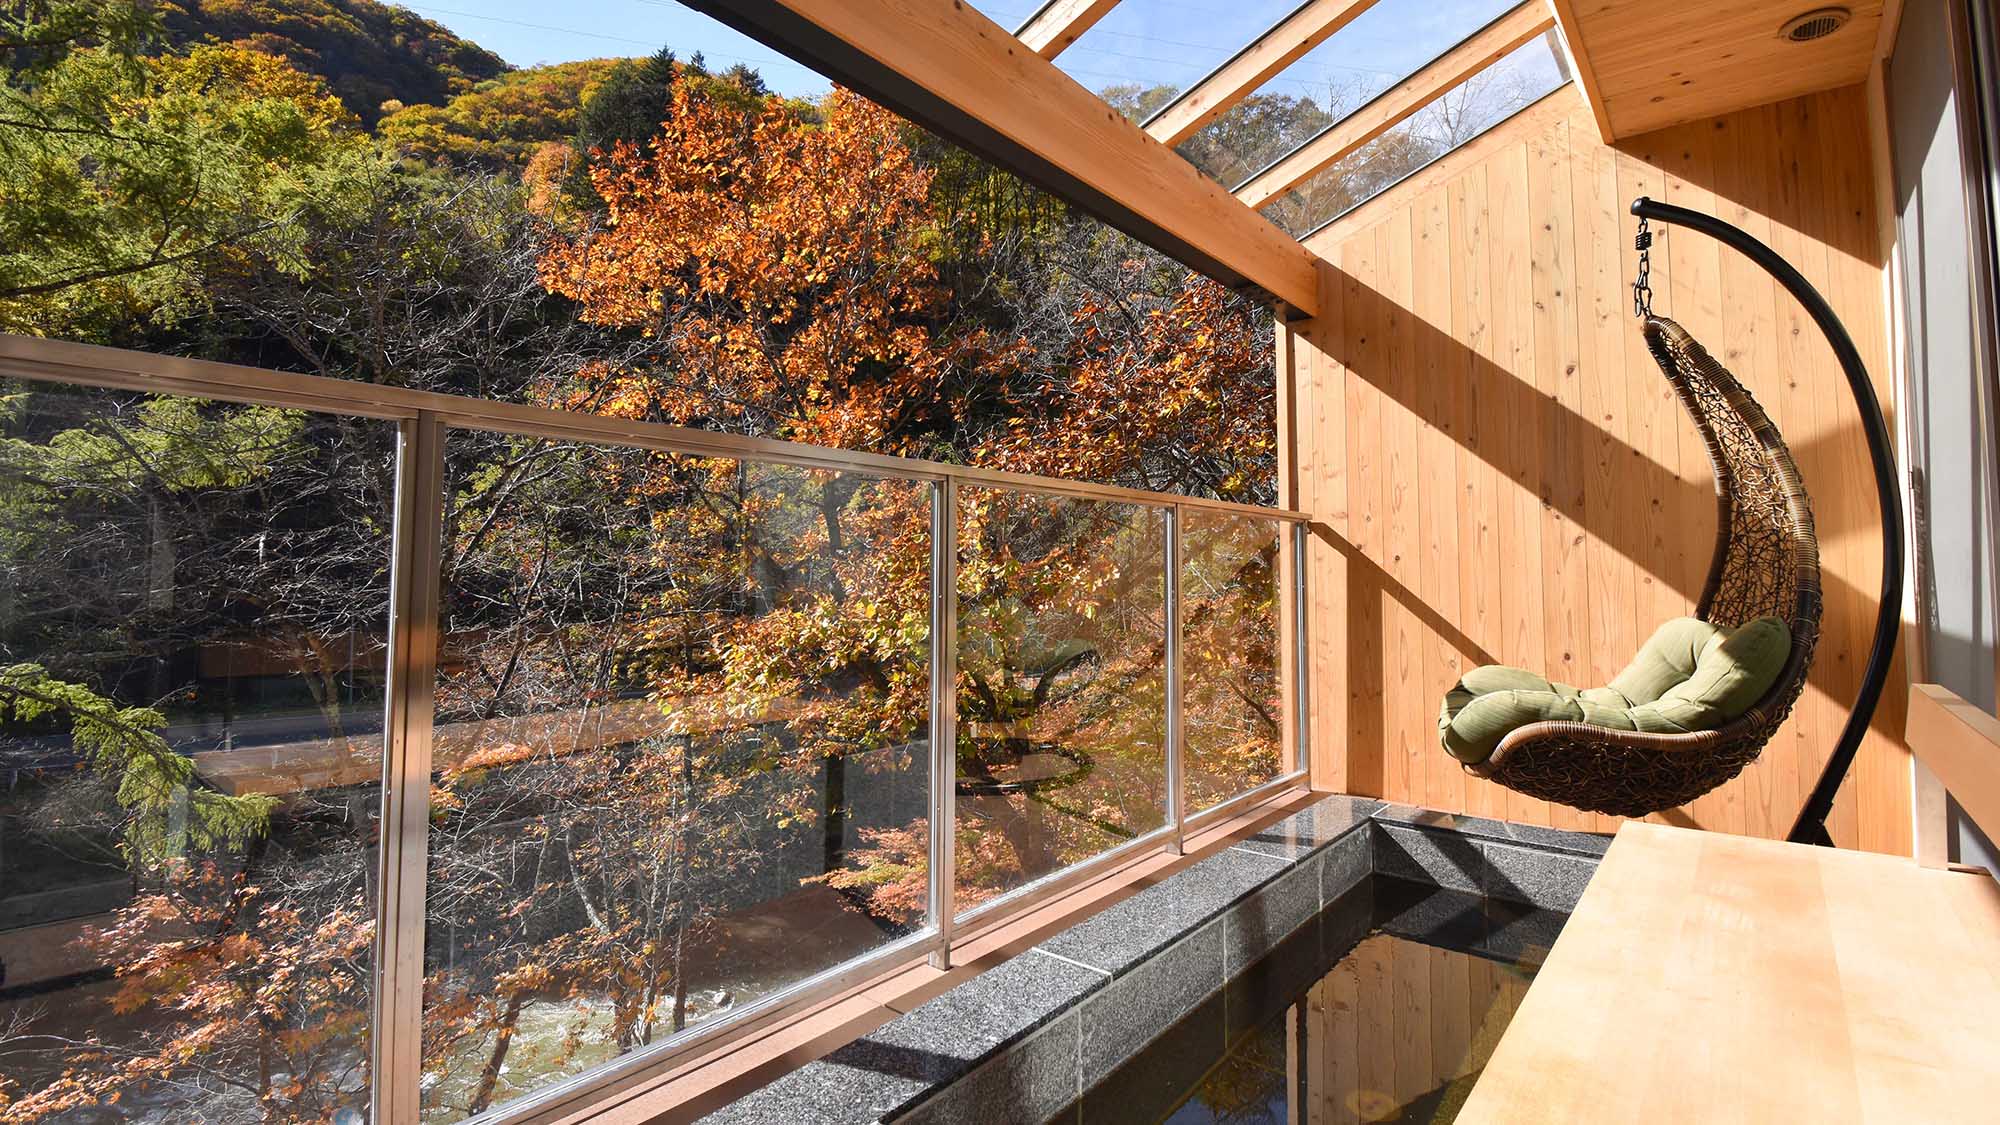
[1058, 23]
[1269, 53]
[953, 71]
[1439, 77]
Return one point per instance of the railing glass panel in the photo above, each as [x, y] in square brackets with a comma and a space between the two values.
[193, 620]
[681, 756]
[1061, 684]
[1232, 712]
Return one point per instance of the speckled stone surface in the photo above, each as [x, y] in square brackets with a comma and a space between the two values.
[1130, 1094]
[1345, 864]
[1345, 920]
[1449, 918]
[1257, 924]
[1259, 991]
[1424, 856]
[863, 1085]
[1527, 938]
[1552, 880]
[893, 1067]
[1489, 927]
[1125, 934]
[1130, 1011]
[1035, 1079]
[1306, 831]
[1039, 1034]
[1532, 835]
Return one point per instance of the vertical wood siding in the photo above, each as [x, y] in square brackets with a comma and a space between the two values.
[1499, 474]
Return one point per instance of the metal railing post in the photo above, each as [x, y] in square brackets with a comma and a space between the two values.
[416, 542]
[944, 714]
[1176, 745]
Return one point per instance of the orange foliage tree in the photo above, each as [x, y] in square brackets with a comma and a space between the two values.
[781, 263]
[788, 265]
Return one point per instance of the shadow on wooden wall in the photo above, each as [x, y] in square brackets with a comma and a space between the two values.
[1499, 473]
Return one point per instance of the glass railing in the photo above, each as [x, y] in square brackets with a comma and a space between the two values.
[379, 755]
[1231, 700]
[1062, 684]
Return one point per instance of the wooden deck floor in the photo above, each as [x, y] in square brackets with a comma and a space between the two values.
[1716, 978]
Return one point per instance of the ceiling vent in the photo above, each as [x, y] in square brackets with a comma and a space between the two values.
[1816, 24]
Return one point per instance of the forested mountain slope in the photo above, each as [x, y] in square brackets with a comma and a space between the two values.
[369, 53]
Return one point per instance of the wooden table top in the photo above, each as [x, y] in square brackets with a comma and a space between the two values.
[1714, 978]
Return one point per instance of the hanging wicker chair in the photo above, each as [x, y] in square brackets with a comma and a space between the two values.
[1766, 563]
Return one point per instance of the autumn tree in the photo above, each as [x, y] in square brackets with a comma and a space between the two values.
[1199, 361]
[123, 180]
[780, 262]
[499, 123]
[36, 36]
[790, 269]
[135, 531]
[588, 858]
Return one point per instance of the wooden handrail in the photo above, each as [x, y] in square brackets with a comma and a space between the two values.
[1961, 744]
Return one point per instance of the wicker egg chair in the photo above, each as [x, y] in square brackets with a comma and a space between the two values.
[1766, 563]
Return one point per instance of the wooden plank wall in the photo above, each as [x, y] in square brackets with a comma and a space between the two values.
[1499, 474]
[1395, 1021]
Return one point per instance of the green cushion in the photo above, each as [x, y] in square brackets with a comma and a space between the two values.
[1737, 669]
[1690, 676]
[1666, 659]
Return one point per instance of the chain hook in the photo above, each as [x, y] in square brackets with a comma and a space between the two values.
[1642, 289]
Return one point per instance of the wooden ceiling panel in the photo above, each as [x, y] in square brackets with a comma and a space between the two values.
[1646, 65]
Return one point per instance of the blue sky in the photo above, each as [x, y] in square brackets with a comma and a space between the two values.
[532, 32]
[1147, 42]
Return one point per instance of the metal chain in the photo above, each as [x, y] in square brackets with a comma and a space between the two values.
[1642, 289]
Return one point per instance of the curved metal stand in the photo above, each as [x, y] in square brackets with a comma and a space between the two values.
[1810, 827]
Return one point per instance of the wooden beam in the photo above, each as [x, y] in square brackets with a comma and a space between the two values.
[1961, 745]
[1251, 67]
[951, 70]
[1436, 79]
[1058, 23]
[1586, 72]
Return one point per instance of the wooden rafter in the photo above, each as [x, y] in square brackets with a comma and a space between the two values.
[1058, 23]
[1251, 67]
[1445, 72]
[1586, 72]
[951, 70]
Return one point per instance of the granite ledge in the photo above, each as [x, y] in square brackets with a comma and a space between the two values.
[1052, 996]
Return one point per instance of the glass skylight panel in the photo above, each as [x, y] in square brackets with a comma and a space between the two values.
[1381, 47]
[1516, 81]
[1144, 52]
[1009, 14]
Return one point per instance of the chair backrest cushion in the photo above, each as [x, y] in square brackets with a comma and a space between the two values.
[1666, 661]
[1733, 671]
